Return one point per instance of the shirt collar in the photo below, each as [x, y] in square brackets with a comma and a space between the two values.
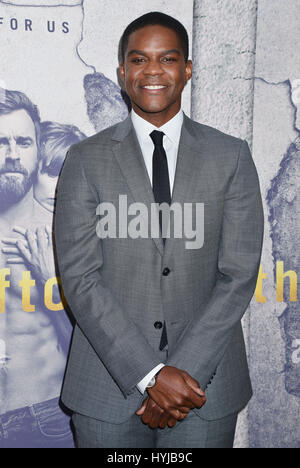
[171, 129]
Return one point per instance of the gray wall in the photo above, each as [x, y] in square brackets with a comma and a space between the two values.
[246, 83]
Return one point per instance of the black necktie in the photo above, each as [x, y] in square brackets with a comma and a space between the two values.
[160, 173]
[161, 191]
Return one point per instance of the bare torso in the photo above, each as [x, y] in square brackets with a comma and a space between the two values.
[34, 361]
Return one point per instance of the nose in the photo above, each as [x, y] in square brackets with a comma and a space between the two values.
[153, 67]
[13, 151]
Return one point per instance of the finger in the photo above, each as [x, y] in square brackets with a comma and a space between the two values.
[152, 414]
[175, 413]
[15, 261]
[23, 248]
[194, 385]
[196, 399]
[41, 239]
[164, 420]
[10, 250]
[48, 231]
[142, 408]
[184, 409]
[172, 422]
[146, 416]
[198, 390]
[19, 229]
[20, 250]
[180, 400]
[181, 415]
[32, 242]
[14, 241]
[157, 414]
[49, 234]
[10, 240]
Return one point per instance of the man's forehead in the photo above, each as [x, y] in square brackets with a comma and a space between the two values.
[17, 122]
[157, 35]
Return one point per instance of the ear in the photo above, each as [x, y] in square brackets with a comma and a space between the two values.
[40, 165]
[122, 71]
[188, 70]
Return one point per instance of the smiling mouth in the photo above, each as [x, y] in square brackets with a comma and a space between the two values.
[154, 87]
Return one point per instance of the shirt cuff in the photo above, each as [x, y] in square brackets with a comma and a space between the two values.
[144, 382]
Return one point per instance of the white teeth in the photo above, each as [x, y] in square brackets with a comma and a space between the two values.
[154, 87]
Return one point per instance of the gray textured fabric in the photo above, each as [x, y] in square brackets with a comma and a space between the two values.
[115, 287]
[192, 432]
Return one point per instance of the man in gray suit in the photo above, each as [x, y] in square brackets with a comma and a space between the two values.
[158, 318]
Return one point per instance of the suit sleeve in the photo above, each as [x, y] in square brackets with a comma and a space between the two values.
[204, 343]
[115, 338]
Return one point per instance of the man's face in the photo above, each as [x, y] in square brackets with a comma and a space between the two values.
[18, 156]
[154, 57]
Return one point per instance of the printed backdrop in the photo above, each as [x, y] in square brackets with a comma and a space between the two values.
[61, 56]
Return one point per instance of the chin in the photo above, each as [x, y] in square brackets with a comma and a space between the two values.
[153, 108]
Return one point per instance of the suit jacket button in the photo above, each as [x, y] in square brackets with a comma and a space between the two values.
[166, 271]
[158, 325]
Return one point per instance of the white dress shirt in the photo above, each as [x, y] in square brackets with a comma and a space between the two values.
[172, 131]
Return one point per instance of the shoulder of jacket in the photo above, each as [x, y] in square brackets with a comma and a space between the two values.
[101, 138]
[213, 134]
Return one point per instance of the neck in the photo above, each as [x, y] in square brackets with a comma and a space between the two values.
[158, 119]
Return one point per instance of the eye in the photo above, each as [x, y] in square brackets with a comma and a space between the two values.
[52, 173]
[24, 142]
[3, 141]
[52, 176]
[138, 60]
[169, 59]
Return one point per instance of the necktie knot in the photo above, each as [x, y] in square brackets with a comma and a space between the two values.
[157, 137]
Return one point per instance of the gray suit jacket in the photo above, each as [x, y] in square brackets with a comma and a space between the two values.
[115, 286]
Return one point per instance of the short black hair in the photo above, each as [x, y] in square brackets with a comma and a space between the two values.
[156, 18]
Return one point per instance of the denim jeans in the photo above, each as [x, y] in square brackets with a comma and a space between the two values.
[42, 425]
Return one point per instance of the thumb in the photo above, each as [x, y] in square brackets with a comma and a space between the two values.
[194, 385]
[141, 410]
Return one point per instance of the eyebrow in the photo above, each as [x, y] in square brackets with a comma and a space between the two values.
[18, 136]
[23, 137]
[164, 52]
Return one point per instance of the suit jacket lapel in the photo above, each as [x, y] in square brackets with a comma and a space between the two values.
[130, 158]
[191, 155]
[131, 161]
